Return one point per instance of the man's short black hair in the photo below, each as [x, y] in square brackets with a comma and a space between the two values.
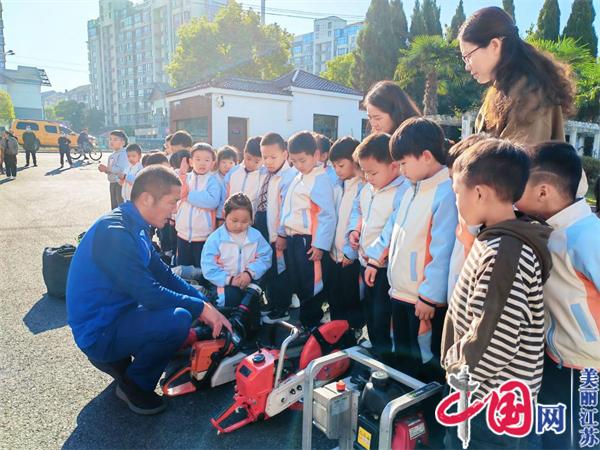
[414, 136]
[252, 146]
[153, 158]
[376, 146]
[134, 148]
[182, 138]
[156, 180]
[558, 164]
[120, 134]
[323, 143]
[343, 148]
[497, 163]
[302, 142]
[169, 137]
[273, 139]
[227, 152]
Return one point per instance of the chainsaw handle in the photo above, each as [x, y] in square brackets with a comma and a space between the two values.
[288, 340]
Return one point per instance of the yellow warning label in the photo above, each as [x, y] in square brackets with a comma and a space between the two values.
[364, 438]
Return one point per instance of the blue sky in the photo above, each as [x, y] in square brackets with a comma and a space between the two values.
[52, 34]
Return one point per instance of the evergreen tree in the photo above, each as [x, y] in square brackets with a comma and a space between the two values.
[457, 20]
[580, 25]
[548, 24]
[431, 17]
[399, 24]
[509, 7]
[375, 59]
[417, 22]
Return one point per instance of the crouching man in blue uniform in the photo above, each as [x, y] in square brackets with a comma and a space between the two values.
[123, 301]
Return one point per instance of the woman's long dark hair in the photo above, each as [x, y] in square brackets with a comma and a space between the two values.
[546, 80]
[391, 99]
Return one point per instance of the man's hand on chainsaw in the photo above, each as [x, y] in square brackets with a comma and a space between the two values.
[214, 319]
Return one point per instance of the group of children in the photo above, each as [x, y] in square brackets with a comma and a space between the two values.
[431, 248]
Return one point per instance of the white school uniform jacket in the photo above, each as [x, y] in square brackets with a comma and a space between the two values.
[116, 165]
[465, 236]
[130, 175]
[371, 213]
[278, 187]
[239, 180]
[221, 179]
[196, 216]
[309, 209]
[345, 192]
[422, 241]
[572, 292]
[223, 258]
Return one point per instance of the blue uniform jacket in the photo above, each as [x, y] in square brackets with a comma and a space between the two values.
[116, 268]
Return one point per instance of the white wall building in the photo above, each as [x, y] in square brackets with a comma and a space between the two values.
[229, 110]
[24, 87]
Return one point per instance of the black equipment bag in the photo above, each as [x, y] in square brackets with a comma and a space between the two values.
[55, 267]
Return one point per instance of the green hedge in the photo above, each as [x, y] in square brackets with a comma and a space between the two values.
[591, 166]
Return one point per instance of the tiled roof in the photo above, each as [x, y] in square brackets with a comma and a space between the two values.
[279, 86]
[23, 73]
[306, 80]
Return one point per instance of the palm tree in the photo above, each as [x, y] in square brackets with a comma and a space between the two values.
[433, 56]
[585, 67]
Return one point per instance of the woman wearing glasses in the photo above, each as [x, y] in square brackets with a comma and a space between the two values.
[529, 91]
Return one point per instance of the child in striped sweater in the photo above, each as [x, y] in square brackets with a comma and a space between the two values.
[495, 320]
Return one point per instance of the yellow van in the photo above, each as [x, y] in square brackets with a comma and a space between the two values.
[46, 132]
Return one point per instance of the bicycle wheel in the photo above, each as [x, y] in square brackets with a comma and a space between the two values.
[75, 153]
[95, 153]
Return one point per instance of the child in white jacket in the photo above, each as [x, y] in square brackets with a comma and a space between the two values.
[134, 156]
[197, 211]
[236, 254]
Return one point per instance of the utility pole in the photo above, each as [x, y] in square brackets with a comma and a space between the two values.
[2, 55]
[262, 11]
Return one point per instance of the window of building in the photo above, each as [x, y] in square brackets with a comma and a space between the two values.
[365, 128]
[327, 125]
[197, 127]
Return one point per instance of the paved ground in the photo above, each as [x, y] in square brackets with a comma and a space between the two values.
[50, 396]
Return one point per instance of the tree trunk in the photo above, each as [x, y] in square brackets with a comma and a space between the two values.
[430, 99]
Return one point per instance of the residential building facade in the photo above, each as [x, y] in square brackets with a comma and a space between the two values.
[129, 46]
[229, 110]
[80, 94]
[330, 37]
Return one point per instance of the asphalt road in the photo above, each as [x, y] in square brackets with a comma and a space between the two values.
[50, 396]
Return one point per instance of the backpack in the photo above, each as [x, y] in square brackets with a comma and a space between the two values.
[55, 267]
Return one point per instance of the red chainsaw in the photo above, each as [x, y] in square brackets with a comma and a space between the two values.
[268, 382]
[211, 362]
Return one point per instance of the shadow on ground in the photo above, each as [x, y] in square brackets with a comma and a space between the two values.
[48, 313]
[106, 423]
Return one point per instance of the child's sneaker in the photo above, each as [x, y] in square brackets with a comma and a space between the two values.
[365, 343]
[276, 316]
[295, 302]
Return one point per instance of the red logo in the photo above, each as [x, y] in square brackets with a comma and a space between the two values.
[509, 409]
